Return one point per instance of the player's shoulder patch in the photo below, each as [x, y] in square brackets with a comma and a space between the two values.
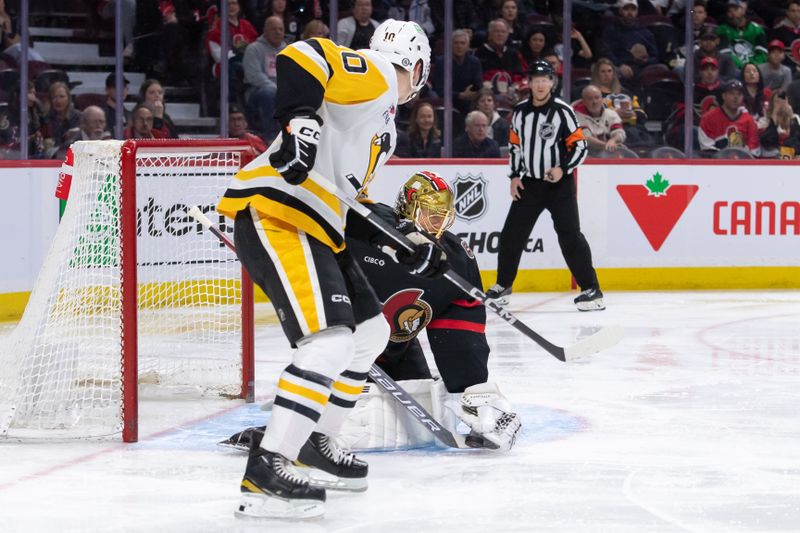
[466, 248]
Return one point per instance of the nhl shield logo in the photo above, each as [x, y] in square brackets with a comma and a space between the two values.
[470, 196]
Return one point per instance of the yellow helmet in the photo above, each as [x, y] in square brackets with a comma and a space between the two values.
[427, 200]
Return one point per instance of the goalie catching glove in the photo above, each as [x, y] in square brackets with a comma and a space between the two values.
[299, 139]
[488, 414]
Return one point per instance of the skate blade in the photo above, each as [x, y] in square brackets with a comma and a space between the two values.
[594, 305]
[263, 506]
[227, 443]
[323, 480]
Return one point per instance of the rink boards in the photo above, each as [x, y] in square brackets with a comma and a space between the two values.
[651, 224]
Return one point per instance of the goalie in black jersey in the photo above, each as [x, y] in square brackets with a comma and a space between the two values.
[455, 323]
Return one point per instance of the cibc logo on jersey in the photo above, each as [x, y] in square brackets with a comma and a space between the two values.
[470, 196]
[407, 313]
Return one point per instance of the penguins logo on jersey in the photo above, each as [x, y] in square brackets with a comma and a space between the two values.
[407, 314]
[378, 147]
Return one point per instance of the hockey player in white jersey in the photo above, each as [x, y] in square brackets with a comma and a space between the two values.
[336, 107]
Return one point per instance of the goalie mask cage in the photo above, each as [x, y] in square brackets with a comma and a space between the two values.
[134, 296]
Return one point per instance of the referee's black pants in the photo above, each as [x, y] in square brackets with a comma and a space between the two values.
[560, 199]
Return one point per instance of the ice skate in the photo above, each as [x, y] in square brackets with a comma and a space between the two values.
[499, 294]
[590, 300]
[272, 488]
[329, 466]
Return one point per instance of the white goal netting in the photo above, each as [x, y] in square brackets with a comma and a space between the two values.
[61, 369]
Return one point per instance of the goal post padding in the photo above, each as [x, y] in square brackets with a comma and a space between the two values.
[131, 281]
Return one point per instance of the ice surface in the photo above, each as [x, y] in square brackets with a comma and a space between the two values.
[691, 423]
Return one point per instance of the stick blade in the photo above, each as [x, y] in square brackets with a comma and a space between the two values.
[597, 342]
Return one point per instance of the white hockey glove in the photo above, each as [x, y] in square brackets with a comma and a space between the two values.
[428, 260]
[298, 151]
[488, 414]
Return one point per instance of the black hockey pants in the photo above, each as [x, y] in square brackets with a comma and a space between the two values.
[560, 199]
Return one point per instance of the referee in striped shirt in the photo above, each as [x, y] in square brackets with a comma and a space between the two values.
[546, 146]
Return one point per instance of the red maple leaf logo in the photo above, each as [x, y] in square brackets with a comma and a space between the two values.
[657, 206]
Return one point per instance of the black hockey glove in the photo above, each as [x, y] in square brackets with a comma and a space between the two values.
[428, 260]
[299, 140]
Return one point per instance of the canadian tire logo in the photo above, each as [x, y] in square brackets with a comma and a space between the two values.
[470, 196]
[657, 206]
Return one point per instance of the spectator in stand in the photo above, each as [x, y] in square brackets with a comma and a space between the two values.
[699, 18]
[260, 74]
[467, 73]
[755, 95]
[509, 11]
[110, 107]
[475, 143]
[708, 46]
[356, 30]
[240, 34]
[415, 11]
[787, 30]
[604, 77]
[58, 122]
[677, 57]
[581, 51]
[142, 123]
[252, 10]
[93, 125]
[424, 137]
[178, 61]
[781, 137]
[775, 74]
[499, 128]
[552, 57]
[709, 85]
[9, 124]
[152, 93]
[629, 45]
[465, 15]
[743, 39]
[291, 26]
[501, 62]
[535, 45]
[10, 40]
[315, 28]
[729, 125]
[602, 127]
[237, 129]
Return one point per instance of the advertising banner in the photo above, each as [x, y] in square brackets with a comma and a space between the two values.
[652, 215]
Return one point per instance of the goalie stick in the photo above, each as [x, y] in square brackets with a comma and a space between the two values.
[377, 374]
[598, 341]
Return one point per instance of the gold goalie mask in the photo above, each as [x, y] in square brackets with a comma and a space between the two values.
[427, 200]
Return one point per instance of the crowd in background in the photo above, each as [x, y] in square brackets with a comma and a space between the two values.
[627, 80]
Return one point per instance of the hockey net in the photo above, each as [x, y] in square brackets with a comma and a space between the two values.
[130, 300]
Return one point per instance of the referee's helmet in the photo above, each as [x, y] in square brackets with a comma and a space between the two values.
[541, 68]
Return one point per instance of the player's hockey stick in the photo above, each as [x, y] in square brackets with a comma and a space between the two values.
[605, 338]
[380, 377]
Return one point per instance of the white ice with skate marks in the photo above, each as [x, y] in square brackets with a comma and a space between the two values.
[689, 424]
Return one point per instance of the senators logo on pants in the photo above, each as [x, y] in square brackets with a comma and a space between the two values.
[407, 314]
